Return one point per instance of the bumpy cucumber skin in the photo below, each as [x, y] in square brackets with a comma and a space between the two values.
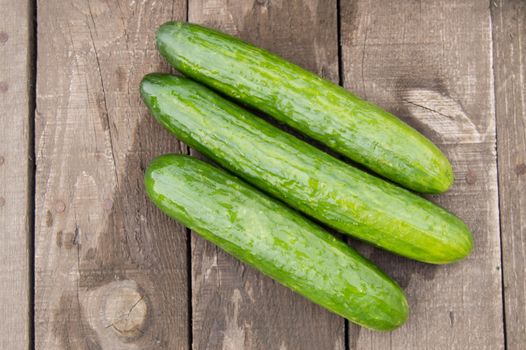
[276, 240]
[306, 178]
[315, 106]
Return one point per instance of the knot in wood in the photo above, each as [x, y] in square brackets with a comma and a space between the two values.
[125, 310]
[60, 206]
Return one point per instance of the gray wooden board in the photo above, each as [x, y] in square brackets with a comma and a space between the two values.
[15, 172]
[509, 52]
[111, 269]
[430, 63]
[234, 306]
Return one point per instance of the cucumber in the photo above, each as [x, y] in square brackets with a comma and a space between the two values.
[276, 240]
[343, 197]
[317, 107]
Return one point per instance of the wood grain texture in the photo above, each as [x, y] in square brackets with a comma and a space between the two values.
[430, 63]
[15, 172]
[111, 269]
[234, 306]
[509, 36]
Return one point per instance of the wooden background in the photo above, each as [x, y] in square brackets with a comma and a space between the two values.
[89, 263]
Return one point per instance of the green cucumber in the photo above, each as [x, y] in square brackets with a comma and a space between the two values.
[335, 193]
[317, 107]
[276, 240]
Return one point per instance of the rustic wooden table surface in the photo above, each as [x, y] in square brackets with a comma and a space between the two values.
[89, 263]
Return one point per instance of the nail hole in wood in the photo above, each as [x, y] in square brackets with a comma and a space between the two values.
[520, 169]
[471, 177]
[3, 87]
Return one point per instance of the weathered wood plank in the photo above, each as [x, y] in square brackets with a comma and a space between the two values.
[509, 38]
[15, 172]
[234, 306]
[111, 269]
[430, 63]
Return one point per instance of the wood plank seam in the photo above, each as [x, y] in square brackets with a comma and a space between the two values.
[346, 324]
[189, 243]
[32, 204]
[502, 267]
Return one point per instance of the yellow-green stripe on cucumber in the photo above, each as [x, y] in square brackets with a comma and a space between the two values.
[276, 240]
[315, 106]
[308, 179]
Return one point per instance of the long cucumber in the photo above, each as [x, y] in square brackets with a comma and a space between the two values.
[315, 106]
[276, 240]
[303, 176]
